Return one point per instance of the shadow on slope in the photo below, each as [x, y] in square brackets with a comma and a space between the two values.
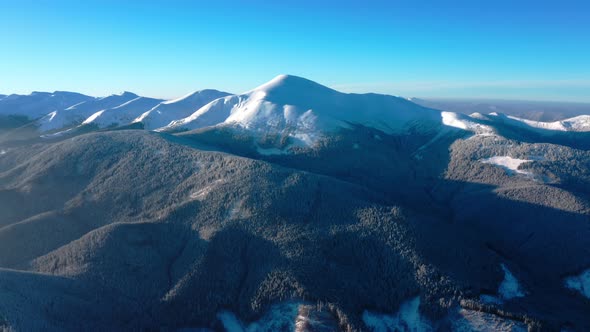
[540, 244]
[36, 302]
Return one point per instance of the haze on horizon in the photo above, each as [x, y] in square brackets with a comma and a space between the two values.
[506, 50]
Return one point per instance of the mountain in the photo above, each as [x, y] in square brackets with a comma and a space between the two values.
[76, 114]
[171, 110]
[305, 111]
[293, 108]
[39, 104]
[2, 96]
[297, 207]
[123, 114]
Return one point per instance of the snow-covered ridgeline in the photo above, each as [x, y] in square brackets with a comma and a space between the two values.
[76, 114]
[288, 105]
[122, 114]
[576, 124]
[168, 111]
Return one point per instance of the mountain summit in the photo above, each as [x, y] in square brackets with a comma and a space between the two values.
[305, 111]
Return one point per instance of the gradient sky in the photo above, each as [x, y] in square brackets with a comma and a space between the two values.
[496, 49]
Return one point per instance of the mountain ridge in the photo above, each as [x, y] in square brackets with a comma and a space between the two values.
[168, 111]
[286, 105]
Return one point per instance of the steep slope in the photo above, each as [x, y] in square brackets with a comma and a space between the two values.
[76, 114]
[306, 111]
[39, 104]
[171, 110]
[122, 114]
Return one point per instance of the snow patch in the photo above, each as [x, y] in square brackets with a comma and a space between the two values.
[478, 116]
[51, 116]
[471, 320]
[203, 192]
[206, 232]
[509, 288]
[465, 122]
[57, 134]
[230, 322]
[280, 317]
[508, 163]
[408, 318]
[452, 120]
[93, 117]
[237, 210]
[580, 283]
[287, 316]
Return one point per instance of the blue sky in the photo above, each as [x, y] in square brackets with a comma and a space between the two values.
[497, 49]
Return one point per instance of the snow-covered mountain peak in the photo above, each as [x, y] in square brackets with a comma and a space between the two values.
[306, 111]
[295, 91]
[290, 84]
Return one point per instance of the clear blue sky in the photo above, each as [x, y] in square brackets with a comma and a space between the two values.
[498, 49]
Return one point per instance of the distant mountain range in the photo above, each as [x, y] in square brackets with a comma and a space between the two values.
[296, 107]
[546, 111]
[290, 207]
